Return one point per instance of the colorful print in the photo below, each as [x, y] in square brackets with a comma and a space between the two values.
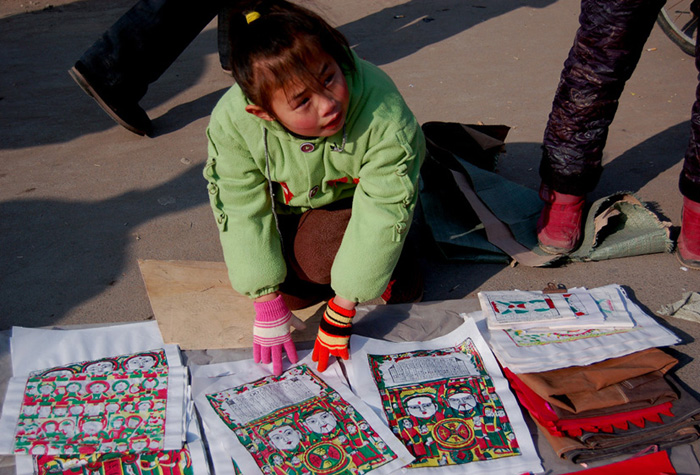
[443, 406]
[525, 338]
[108, 405]
[543, 306]
[171, 462]
[297, 424]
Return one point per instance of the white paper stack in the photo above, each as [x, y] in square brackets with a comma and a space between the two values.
[521, 310]
[527, 351]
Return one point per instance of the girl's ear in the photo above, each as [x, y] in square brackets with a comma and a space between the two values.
[258, 111]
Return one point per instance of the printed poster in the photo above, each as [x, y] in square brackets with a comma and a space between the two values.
[447, 401]
[45, 370]
[298, 423]
[190, 460]
[174, 462]
[129, 403]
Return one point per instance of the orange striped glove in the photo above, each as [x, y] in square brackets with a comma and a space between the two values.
[333, 334]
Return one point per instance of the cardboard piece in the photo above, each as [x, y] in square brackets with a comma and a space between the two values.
[196, 307]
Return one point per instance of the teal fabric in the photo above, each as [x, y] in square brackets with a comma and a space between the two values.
[456, 229]
[633, 229]
[515, 205]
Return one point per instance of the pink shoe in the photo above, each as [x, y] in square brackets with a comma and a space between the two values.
[689, 240]
[559, 226]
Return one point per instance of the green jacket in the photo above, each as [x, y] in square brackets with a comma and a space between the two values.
[379, 167]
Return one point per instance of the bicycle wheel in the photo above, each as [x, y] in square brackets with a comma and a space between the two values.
[680, 24]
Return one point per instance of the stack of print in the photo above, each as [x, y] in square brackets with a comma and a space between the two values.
[595, 393]
[116, 402]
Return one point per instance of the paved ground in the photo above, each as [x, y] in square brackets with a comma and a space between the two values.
[81, 199]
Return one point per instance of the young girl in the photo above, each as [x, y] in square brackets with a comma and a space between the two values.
[313, 167]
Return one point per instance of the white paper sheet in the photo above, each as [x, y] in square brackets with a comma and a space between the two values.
[38, 348]
[82, 404]
[203, 376]
[447, 398]
[298, 421]
[610, 300]
[531, 351]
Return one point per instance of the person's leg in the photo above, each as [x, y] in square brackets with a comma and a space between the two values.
[317, 240]
[298, 289]
[605, 52]
[135, 51]
[689, 184]
[316, 243]
[223, 28]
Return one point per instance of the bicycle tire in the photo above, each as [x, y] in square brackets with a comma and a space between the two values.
[680, 25]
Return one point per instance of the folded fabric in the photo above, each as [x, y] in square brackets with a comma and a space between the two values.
[644, 391]
[605, 384]
[685, 412]
[677, 427]
[459, 231]
[622, 225]
[687, 308]
[548, 419]
[574, 451]
[656, 463]
[618, 225]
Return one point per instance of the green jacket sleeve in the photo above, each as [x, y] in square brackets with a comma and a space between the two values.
[382, 210]
[242, 209]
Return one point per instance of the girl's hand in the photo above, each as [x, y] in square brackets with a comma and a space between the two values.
[271, 332]
[334, 331]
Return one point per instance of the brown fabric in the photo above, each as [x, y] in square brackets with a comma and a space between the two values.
[600, 385]
[641, 392]
[668, 431]
[317, 240]
[573, 450]
[311, 241]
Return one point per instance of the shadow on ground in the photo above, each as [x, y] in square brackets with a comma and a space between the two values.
[59, 254]
[49, 245]
[48, 108]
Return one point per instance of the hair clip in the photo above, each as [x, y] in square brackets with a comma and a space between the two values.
[250, 17]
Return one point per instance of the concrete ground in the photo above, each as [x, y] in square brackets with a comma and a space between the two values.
[82, 199]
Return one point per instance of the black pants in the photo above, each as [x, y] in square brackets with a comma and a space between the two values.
[606, 50]
[137, 49]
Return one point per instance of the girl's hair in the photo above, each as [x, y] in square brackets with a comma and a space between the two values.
[272, 43]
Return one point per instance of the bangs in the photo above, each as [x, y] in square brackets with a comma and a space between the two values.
[292, 67]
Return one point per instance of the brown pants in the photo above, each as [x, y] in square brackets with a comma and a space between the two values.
[311, 242]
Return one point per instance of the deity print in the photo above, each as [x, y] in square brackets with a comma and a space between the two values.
[443, 406]
[297, 424]
[95, 407]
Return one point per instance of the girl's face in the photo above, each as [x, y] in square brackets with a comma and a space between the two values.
[307, 112]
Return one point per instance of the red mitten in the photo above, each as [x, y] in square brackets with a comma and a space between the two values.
[333, 334]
